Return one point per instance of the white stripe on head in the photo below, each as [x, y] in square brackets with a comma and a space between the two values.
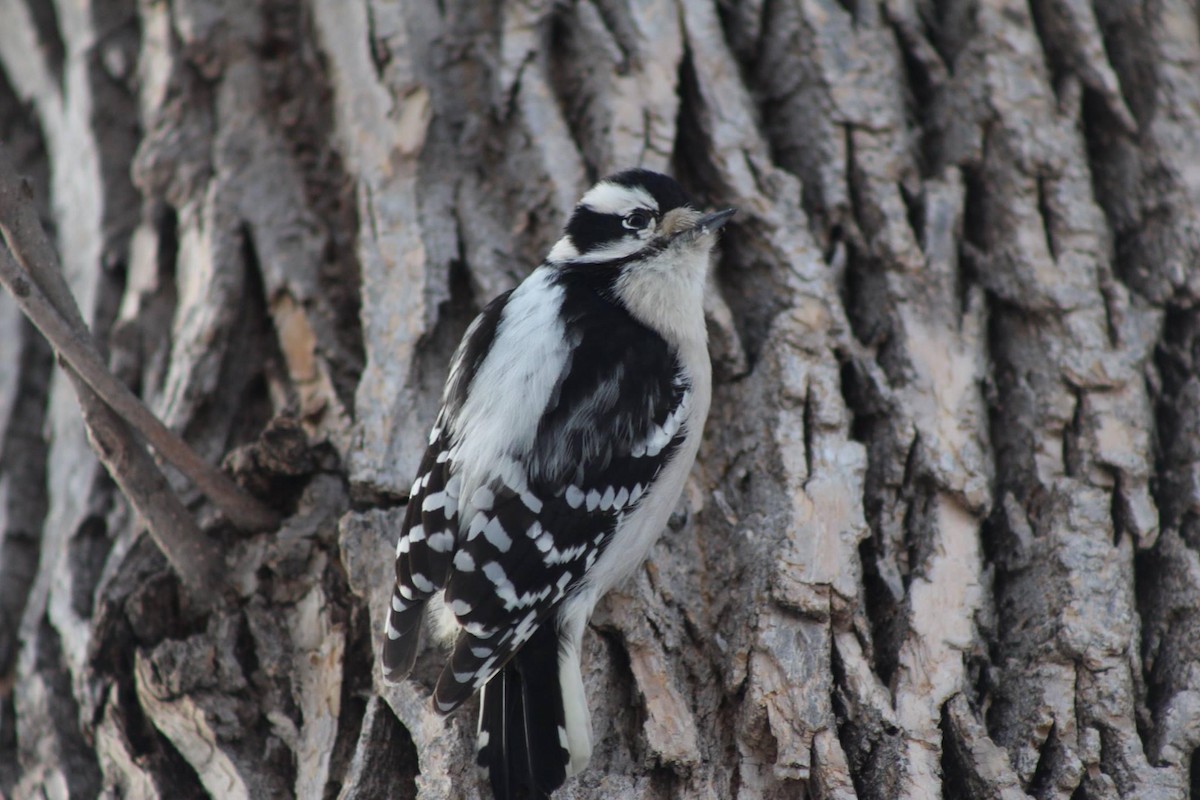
[611, 252]
[613, 198]
[564, 250]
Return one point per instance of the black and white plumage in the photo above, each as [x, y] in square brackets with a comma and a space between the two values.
[570, 419]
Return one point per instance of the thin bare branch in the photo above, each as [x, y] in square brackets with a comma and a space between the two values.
[191, 553]
[45, 298]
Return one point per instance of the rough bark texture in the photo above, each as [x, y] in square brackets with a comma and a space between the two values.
[943, 538]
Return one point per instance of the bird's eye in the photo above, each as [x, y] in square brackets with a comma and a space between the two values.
[637, 220]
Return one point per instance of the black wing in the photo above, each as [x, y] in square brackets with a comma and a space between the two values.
[431, 527]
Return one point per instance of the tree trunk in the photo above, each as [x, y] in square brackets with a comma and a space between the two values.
[943, 536]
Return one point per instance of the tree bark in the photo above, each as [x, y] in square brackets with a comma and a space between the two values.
[943, 536]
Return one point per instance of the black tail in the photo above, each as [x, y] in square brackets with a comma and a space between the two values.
[522, 727]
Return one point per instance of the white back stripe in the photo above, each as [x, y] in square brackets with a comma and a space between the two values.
[525, 361]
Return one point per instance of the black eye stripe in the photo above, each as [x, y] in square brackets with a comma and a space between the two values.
[590, 230]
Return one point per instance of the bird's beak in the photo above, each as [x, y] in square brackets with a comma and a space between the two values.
[711, 223]
[705, 226]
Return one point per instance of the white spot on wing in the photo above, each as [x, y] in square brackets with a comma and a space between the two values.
[574, 496]
[421, 583]
[441, 542]
[481, 678]
[531, 502]
[463, 561]
[658, 440]
[556, 556]
[478, 523]
[496, 574]
[495, 533]
[508, 593]
[478, 630]
[525, 629]
[619, 500]
[504, 588]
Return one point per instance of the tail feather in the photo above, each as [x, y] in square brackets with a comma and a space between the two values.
[403, 636]
[522, 725]
[575, 711]
[421, 565]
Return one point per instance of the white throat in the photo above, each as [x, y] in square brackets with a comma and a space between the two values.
[666, 293]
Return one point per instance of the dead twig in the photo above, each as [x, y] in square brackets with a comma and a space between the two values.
[74, 347]
[191, 554]
[31, 274]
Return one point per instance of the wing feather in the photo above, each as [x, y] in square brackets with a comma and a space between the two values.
[509, 554]
[600, 444]
[429, 534]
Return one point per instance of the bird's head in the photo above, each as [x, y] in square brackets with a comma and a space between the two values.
[633, 216]
[638, 238]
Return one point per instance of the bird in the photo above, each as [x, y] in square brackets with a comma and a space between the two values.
[571, 417]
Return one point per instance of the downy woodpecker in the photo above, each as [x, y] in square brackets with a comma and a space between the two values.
[569, 422]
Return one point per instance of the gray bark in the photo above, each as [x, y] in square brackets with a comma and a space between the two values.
[943, 536]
